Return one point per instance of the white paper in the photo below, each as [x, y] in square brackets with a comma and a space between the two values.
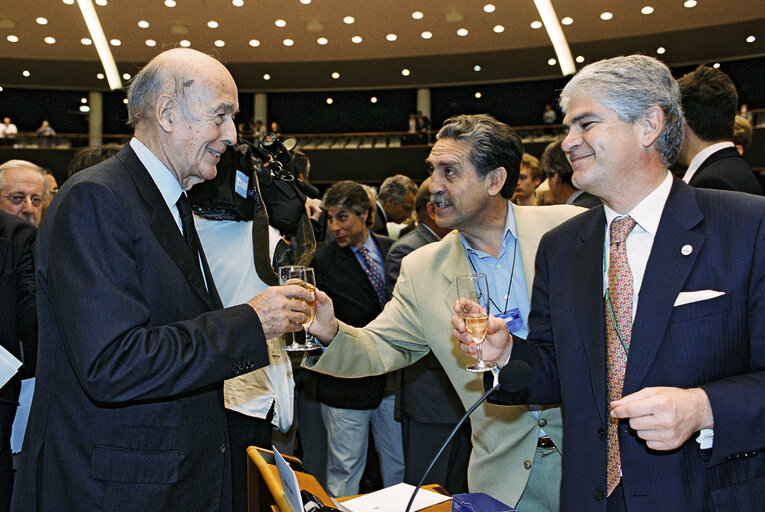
[289, 482]
[394, 499]
[9, 365]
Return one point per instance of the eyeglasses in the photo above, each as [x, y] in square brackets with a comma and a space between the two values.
[17, 199]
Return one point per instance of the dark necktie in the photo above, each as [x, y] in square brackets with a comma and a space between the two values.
[192, 241]
[374, 276]
[618, 333]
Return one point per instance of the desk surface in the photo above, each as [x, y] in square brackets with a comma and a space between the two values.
[444, 506]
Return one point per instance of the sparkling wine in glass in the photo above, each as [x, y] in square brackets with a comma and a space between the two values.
[473, 291]
[308, 281]
[293, 275]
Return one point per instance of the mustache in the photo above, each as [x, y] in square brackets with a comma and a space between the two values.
[439, 199]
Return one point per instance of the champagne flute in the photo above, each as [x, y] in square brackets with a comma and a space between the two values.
[473, 291]
[308, 281]
[291, 275]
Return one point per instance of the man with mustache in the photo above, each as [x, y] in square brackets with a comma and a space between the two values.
[475, 163]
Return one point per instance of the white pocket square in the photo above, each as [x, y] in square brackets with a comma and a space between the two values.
[689, 297]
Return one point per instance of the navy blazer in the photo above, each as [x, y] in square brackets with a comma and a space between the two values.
[726, 170]
[716, 344]
[128, 407]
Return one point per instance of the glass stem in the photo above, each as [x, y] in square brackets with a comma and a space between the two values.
[479, 353]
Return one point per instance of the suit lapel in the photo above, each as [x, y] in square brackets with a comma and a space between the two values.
[666, 273]
[453, 264]
[164, 227]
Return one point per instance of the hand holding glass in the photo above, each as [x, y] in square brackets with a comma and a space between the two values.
[473, 291]
[301, 276]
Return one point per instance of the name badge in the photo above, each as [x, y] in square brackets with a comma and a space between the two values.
[513, 319]
[241, 184]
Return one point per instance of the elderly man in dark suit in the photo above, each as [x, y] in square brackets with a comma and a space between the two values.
[648, 314]
[134, 348]
[18, 327]
[395, 202]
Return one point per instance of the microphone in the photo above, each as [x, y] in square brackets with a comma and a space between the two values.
[513, 377]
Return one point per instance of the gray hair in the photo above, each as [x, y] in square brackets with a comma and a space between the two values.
[630, 86]
[23, 164]
[349, 195]
[494, 144]
[396, 187]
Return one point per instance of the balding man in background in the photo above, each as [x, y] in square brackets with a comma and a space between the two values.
[395, 202]
[22, 190]
[128, 409]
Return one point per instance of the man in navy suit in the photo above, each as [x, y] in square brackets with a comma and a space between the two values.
[134, 346]
[683, 431]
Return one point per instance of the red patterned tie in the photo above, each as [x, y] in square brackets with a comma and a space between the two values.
[618, 339]
[374, 276]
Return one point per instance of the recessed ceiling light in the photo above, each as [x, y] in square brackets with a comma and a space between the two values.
[348, 20]
[476, 68]
[335, 75]
[84, 108]
[1, 88]
[68, 2]
[83, 100]
[212, 24]
[101, 2]
[716, 65]
[322, 41]
[647, 9]
[254, 43]
[115, 42]
[143, 24]
[373, 99]
[552, 62]
[126, 76]
[220, 43]
[280, 23]
[605, 16]
[489, 8]
[580, 59]
[498, 29]
[567, 20]
[266, 77]
[689, 3]
[751, 39]
[237, 3]
[478, 95]
[329, 101]
[100, 76]
[86, 41]
[169, 3]
[50, 40]
[305, 2]
[124, 101]
[660, 50]
[185, 43]
[42, 21]
[26, 73]
[536, 24]
[151, 42]
[426, 35]
[12, 39]
[405, 72]
[288, 42]
[417, 15]
[462, 32]
[356, 39]
[391, 37]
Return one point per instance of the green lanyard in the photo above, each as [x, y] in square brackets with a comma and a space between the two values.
[608, 302]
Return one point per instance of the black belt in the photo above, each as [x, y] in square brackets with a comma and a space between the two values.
[546, 443]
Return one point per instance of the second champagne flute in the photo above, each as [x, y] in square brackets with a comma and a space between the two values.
[473, 291]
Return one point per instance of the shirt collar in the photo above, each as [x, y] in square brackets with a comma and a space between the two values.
[647, 213]
[428, 228]
[167, 184]
[701, 156]
[510, 227]
[368, 243]
[573, 196]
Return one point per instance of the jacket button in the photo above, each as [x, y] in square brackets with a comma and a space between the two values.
[542, 423]
[527, 464]
[223, 448]
[601, 432]
[598, 495]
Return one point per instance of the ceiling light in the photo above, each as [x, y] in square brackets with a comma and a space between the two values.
[356, 39]
[489, 8]
[185, 43]
[391, 37]
[478, 95]
[115, 42]
[50, 40]
[212, 24]
[536, 24]
[266, 77]
[124, 101]
[476, 68]
[751, 39]
[1, 88]
[417, 15]
[552, 62]
[499, 29]
[86, 41]
[405, 72]
[660, 50]
[26, 73]
[426, 35]
[288, 42]
[305, 2]
[102, 3]
[329, 101]
[348, 20]
[280, 23]
[220, 43]
[605, 16]
[689, 3]
[151, 42]
[126, 76]
[237, 3]
[42, 21]
[555, 33]
[143, 24]
[647, 9]
[716, 65]
[335, 75]
[567, 20]
[322, 41]
[100, 76]
[254, 43]
[83, 100]
[68, 2]
[462, 32]
[169, 3]
[84, 108]
[580, 59]
[12, 39]
[373, 99]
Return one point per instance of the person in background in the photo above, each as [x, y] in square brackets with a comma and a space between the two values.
[530, 177]
[558, 170]
[23, 190]
[395, 202]
[8, 131]
[51, 188]
[549, 116]
[742, 134]
[45, 134]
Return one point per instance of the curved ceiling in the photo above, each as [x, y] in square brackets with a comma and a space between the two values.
[464, 35]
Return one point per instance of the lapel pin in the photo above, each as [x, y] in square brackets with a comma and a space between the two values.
[686, 250]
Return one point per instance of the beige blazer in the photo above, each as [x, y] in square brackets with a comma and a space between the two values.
[418, 319]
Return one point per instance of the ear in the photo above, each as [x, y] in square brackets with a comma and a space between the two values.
[651, 125]
[431, 210]
[497, 179]
[164, 111]
[363, 215]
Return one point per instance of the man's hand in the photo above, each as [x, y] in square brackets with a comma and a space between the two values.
[278, 310]
[497, 345]
[665, 417]
[324, 326]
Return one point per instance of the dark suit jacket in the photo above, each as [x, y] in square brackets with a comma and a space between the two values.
[586, 200]
[340, 275]
[726, 170]
[128, 407]
[717, 344]
[381, 224]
